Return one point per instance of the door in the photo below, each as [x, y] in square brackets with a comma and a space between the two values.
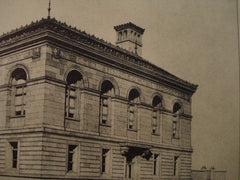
[133, 169]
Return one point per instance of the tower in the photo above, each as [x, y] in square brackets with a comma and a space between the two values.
[129, 37]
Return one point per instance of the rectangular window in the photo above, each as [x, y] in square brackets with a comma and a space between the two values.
[105, 161]
[175, 166]
[14, 149]
[20, 100]
[70, 101]
[175, 128]
[131, 116]
[104, 107]
[155, 164]
[129, 170]
[154, 122]
[72, 158]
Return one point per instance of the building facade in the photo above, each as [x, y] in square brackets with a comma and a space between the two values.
[73, 106]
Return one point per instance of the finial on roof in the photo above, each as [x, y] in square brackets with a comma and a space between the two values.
[49, 8]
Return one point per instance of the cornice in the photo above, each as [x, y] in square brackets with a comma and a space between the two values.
[61, 30]
[129, 25]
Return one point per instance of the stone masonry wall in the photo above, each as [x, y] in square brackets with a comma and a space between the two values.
[44, 154]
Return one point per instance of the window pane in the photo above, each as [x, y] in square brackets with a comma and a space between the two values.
[131, 116]
[155, 164]
[72, 103]
[72, 92]
[105, 110]
[175, 166]
[24, 89]
[18, 100]
[14, 154]
[17, 113]
[72, 157]
[104, 119]
[131, 108]
[23, 100]
[105, 102]
[130, 123]
[71, 110]
[14, 165]
[105, 160]
[21, 81]
[14, 147]
[154, 122]
[129, 171]
[18, 108]
[19, 90]
[154, 114]
[174, 125]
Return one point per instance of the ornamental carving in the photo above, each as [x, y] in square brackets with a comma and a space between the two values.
[124, 151]
[36, 52]
[146, 154]
[57, 53]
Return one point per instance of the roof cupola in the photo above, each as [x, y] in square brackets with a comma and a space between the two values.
[129, 37]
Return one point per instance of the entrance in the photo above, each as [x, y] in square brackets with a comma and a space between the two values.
[133, 158]
[133, 168]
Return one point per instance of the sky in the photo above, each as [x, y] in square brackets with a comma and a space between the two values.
[195, 40]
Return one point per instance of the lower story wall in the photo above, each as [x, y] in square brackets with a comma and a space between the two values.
[51, 155]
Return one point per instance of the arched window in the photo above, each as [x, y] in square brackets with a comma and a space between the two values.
[156, 104]
[133, 100]
[125, 34]
[175, 126]
[74, 82]
[107, 91]
[19, 78]
[176, 108]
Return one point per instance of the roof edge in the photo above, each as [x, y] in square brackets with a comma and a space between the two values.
[83, 37]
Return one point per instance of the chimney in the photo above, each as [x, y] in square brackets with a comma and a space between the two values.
[129, 37]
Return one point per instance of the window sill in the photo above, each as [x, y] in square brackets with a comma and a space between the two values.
[106, 125]
[72, 119]
[71, 173]
[134, 130]
[20, 116]
[155, 134]
[175, 138]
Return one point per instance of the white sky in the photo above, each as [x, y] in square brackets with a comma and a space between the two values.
[195, 40]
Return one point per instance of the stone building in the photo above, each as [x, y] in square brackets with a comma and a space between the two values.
[73, 106]
[208, 174]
